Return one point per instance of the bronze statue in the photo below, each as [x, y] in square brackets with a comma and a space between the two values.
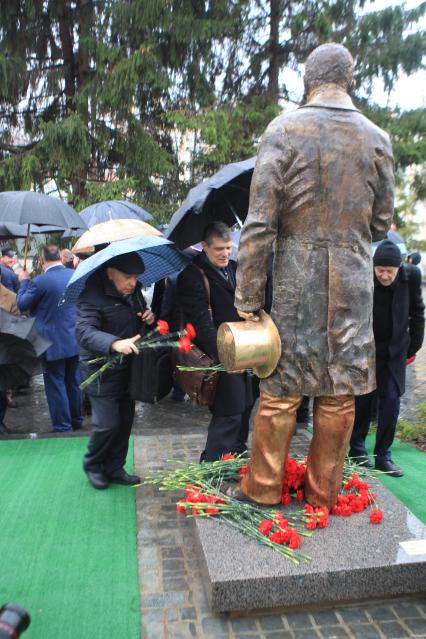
[322, 191]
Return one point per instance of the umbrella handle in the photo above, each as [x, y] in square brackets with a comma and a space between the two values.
[27, 244]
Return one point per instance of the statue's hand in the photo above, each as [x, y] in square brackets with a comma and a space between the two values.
[252, 317]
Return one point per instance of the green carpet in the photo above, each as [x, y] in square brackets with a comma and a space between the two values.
[411, 488]
[67, 551]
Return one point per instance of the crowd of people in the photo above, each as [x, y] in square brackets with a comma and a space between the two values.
[110, 317]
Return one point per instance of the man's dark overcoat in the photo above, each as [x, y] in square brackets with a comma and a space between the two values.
[234, 392]
[408, 325]
[104, 316]
[322, 191]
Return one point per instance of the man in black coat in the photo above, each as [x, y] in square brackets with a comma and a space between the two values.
[109, 315]
[398, 324]
[229, 425]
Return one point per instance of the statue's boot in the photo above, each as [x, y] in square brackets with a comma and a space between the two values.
[333, 423]
[274, 425]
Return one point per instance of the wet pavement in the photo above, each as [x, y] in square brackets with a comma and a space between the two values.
[173, 601]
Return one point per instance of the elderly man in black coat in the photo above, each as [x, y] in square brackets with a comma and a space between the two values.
[109, 315]
[235, 396]
[398, 324]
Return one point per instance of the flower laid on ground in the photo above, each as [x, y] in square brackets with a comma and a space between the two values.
[282, 531]
[159, 337]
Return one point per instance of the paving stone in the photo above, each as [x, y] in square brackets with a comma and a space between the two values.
[189, 613]
[271, 622]
[246, 636]
[181, 630]
[406, 610]
[215, 627]
[325, 618]
[173, 564]
[306, 633]
[364, 631]
[380, 613]
[334, 632]
[417, 627]
[353, 615]
[176, 583]
[160, 600]
[244, 625]
[284, 634]
[393, 630]
[172, 552]
[298, 620]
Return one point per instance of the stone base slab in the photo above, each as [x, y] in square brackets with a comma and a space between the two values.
[352, 559]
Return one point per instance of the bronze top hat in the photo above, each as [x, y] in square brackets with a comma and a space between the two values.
[249, 344]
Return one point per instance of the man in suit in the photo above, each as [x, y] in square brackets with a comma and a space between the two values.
[229, 425]
[8, 275]
[41, 297]
[398, 324]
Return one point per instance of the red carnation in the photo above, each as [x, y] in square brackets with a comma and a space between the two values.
[212, 511]
[184, 344]
[276, 537]
[180, 508]
[295, 541]
[228, 456]
[265, 526]
[285, 498]
[243, 470]
[162, 327]
[190, 331]
[376, 516]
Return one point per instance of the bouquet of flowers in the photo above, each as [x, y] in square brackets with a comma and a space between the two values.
[159, 337]
[281, 530]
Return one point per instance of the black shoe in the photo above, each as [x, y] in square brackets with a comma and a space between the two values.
[361, 460]
[387, 466]
[124, 478]
[98, 480]
[4, 430]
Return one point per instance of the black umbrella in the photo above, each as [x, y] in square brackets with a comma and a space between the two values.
[109, 210]
[20, 348]
[28, 207]
[223, 197]
[11, 230]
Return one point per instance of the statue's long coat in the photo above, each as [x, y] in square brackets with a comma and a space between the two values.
[322, 190]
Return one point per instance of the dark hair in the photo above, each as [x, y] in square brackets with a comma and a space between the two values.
[216, 229]
[51, 253]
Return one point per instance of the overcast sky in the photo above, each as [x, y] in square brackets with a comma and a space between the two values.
[408, 93]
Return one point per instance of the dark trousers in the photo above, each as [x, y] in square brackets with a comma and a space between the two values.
[61, 383]
[388, 404]
[3, 405]
[227, 435]
[112, 421]
[302, 415]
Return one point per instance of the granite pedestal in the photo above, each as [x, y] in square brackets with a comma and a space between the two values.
[352, 559]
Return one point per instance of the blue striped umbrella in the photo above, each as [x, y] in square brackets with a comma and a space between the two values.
[159, 256]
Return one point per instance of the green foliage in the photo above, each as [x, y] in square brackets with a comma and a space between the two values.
[109, 98]
[413, 431]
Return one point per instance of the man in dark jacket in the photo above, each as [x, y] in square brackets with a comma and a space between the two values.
[56, 322]
[109, 315]
[229, 426]
[8, 275]
[398, 324]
